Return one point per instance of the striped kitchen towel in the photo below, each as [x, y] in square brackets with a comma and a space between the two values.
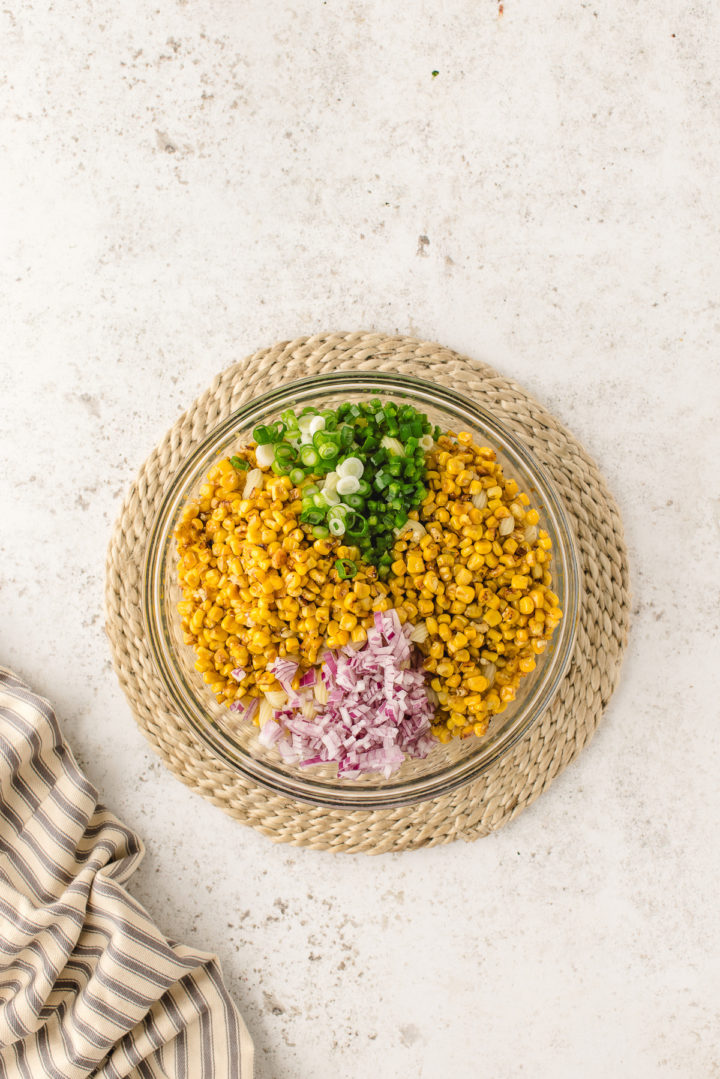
[88, 984]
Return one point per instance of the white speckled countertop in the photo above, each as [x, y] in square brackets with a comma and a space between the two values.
[187, 181]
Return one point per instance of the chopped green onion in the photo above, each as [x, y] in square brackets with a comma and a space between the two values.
[320, 532]
[360, 532]
[351, 466]
[392, 446]
[337, 512]
[326, 438]
[284, 452]
[239, 464]
[374, 451]
[309, 456]
[262, 435]
[349, 516]
[356, 525]
[346, 568]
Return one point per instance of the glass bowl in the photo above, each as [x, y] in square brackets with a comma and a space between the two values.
[235, 742]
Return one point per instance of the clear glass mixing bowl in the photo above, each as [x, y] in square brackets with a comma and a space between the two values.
[236, 743]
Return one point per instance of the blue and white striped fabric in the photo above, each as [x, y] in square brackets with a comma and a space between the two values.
[88, 984]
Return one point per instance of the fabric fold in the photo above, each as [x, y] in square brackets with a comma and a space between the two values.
[88, 984]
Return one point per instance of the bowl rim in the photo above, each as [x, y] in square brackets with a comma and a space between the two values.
[423, 788]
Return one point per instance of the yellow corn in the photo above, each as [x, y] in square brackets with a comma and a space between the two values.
[415, 564]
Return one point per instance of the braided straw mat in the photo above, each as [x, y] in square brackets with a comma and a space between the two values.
[531, 765]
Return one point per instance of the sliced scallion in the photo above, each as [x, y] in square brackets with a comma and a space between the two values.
[369, 454]
[309, 456]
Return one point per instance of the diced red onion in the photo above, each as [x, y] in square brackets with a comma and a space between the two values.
[248, 711]
[270, 733]
[377, 714]
[285, 670]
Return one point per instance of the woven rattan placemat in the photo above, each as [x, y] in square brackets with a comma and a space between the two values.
[555, 740]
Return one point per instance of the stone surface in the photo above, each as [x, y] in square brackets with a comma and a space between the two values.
[187, 181]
